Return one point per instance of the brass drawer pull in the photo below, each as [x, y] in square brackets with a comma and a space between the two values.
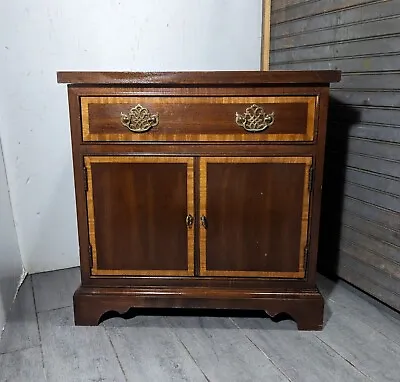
[139, 119]
[189, 221]
[255, 119]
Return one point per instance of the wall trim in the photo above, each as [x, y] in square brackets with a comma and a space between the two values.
[266, 34]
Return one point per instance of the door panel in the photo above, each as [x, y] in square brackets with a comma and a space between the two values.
[137, 208]
[256, 212]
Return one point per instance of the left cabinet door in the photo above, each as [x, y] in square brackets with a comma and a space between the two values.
[139, 211]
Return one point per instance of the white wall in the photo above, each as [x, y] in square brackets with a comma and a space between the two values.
[38, 38]
[11, 270]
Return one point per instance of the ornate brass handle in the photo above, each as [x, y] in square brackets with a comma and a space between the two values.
[204, 222]
[189, 221]
[139, 119]
[255, 119]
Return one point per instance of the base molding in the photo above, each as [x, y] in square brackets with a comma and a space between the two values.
[304, 306]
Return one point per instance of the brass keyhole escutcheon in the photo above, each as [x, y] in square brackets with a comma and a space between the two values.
[204, 222]
[189, 221]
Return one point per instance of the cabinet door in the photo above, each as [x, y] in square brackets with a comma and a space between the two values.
[137, 215]
[254, 214]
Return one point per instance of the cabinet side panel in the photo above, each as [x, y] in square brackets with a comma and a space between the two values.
[79, 180]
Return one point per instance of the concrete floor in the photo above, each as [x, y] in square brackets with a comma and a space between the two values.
[360, 342]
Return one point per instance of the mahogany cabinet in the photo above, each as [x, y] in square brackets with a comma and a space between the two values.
[198, 190]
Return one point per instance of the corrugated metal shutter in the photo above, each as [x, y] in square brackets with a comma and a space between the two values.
[360, 237]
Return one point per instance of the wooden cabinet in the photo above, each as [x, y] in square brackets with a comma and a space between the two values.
[198, 190]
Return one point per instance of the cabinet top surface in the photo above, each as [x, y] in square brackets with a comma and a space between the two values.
[218, 78]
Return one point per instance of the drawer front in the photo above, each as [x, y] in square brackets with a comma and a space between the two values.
[180, 119]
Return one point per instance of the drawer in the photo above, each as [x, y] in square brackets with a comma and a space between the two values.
[212, 119]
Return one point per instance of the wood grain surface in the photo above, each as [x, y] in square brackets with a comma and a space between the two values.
[322, 77]
[137, 208]
[257, 213]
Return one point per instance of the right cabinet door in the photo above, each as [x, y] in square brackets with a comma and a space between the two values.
[254, 216]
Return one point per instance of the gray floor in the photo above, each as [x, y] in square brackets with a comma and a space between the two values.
[360, 342]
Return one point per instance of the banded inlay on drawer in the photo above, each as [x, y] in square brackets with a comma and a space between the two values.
[179, 119]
